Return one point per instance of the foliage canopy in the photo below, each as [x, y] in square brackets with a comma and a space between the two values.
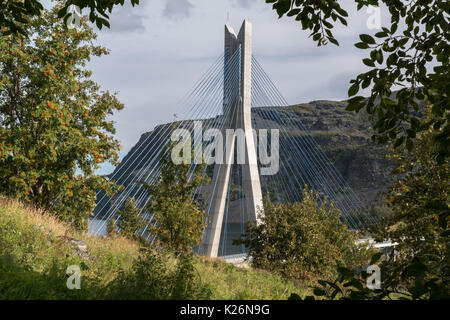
[15, 14]
[54, 130]
[302, 240]
[411, 53]
[418, 267]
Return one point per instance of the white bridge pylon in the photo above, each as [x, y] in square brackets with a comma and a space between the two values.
[238, 118]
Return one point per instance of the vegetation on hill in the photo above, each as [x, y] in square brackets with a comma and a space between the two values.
[36, 250]
[345, 137]
[419, 225]
[304, 240]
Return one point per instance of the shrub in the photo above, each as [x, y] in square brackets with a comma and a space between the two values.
[129, 220]
[111, 227]
[302, 240]
[152, 277]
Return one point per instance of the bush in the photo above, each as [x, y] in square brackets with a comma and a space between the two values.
[303, 240]
[111, 227]
[129, 220]
[152, 278]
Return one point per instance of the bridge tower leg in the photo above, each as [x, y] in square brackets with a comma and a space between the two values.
[239, 117]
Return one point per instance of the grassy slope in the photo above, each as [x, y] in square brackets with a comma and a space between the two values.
[34, 255]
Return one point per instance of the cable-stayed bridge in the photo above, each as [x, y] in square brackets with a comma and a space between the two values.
[236, 95]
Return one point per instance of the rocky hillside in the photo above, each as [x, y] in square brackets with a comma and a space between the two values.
[344, 137]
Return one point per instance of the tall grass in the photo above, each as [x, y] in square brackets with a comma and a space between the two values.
[35, 253]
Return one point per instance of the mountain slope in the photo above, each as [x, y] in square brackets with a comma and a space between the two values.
[345, 138]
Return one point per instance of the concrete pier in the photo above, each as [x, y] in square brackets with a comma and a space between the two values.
[238, 118]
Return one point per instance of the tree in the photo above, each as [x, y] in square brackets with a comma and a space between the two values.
[418, 268]
[16, 14]
[53, 119]
[111, 227]
[420, 218]
[302, 240]
[419, 200]
[129, 220]
[179, 220]
[399, 58]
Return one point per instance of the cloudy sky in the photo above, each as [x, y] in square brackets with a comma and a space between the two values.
[161, 47]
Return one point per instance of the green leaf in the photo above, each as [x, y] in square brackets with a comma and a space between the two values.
[361, 45]
[319, 292]
[409, 144]
[353, 89]
[376, 257]
[342, 12]
[367, 39]
[379, 57]
[365, 83]
[333, 40]
[293, 12]
[342, 20]
[393, 28]
[403, 41]
[62, 12]
[368, 62]
[294, 296]
[381, 34]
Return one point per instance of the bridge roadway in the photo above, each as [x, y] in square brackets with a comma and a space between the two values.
[240, 260]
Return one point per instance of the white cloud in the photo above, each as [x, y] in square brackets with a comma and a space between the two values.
[126, 18]
[177, 9]
[243, 3]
